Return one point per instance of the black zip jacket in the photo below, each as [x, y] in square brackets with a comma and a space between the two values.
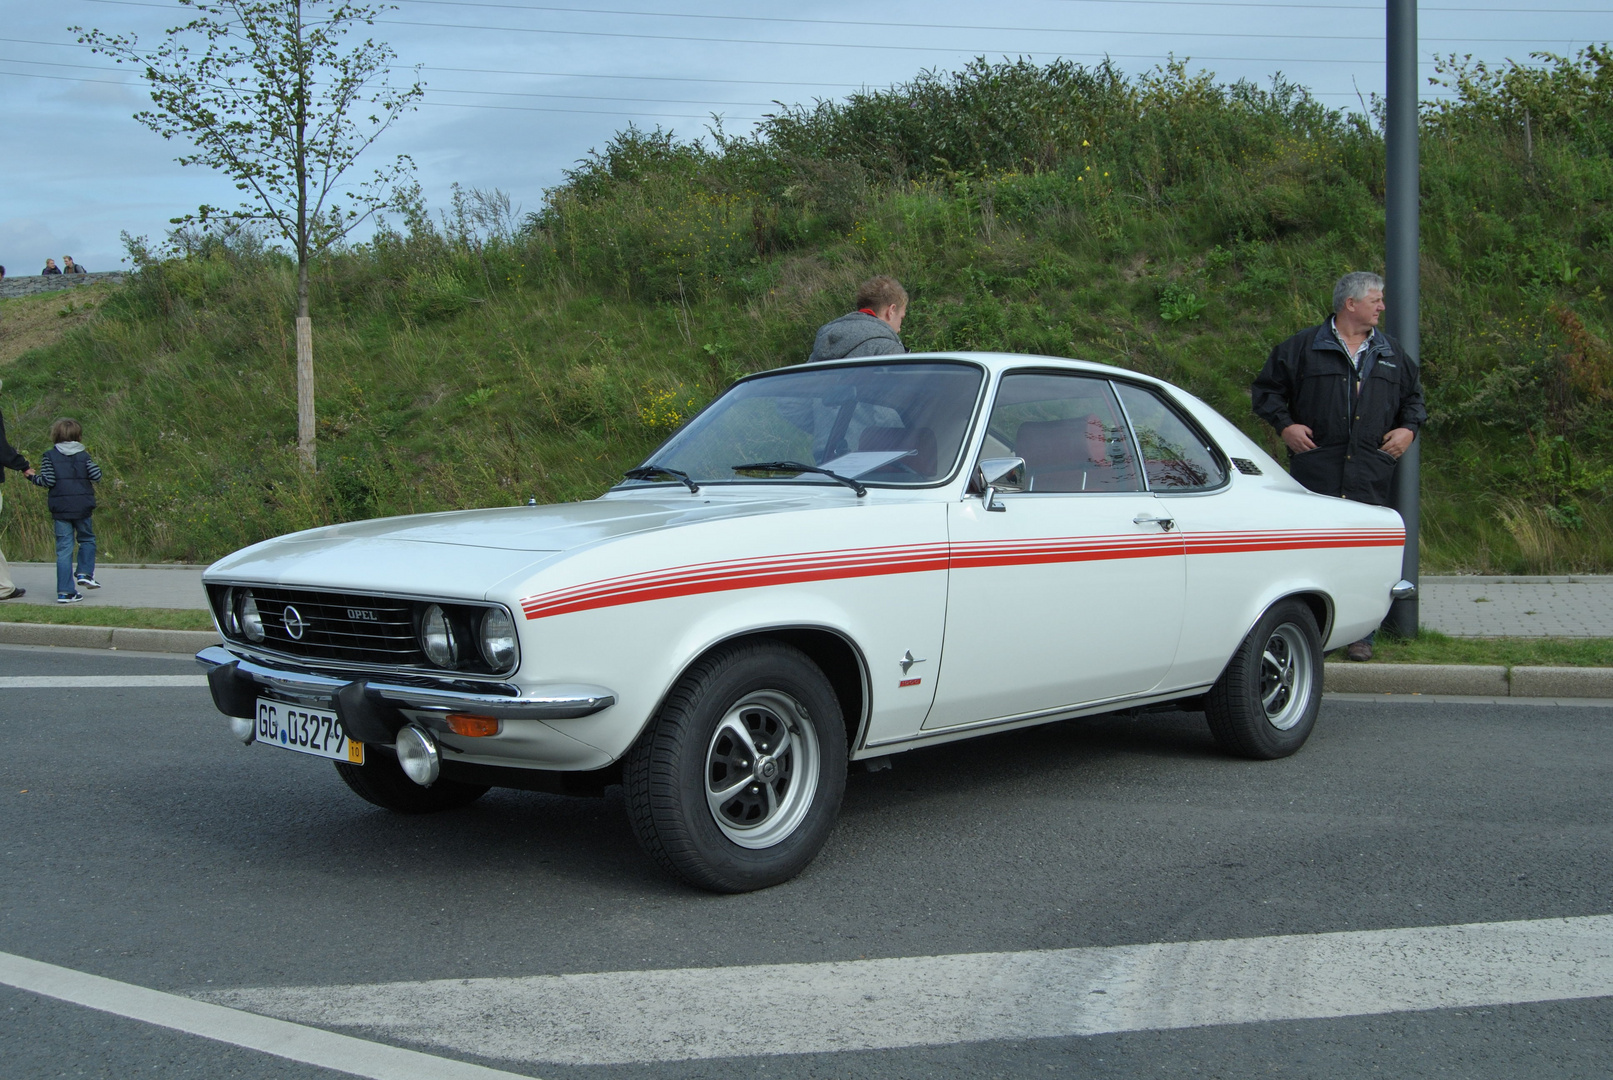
[1307, 380]
[9, 458]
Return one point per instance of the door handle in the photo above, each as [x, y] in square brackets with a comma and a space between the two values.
[1163, 522]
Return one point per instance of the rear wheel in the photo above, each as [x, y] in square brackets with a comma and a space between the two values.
[1264, 705]
[737, 782]
[381, 781]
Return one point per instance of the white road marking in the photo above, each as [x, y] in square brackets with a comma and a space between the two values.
[101, 682]
[277, 1037]
[647, 1016]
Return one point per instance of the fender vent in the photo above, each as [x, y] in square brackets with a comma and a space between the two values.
[1247, 467]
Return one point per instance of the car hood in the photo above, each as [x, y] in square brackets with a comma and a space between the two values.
[415, 554]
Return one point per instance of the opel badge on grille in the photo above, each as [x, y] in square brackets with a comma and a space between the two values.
[293, 623]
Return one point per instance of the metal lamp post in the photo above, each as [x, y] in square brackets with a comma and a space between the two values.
[1401, 268]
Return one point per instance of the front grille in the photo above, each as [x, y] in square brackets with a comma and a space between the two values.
[340, 627]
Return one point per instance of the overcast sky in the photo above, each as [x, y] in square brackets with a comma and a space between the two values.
[520, 89]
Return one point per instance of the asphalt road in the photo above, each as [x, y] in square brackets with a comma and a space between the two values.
[140, 843]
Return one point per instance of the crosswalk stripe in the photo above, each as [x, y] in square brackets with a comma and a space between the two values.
[695, 1013]
[311, 1046]
[95, 682]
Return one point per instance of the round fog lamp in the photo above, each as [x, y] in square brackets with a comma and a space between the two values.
[498, 639]
[417, 754]
[244, 728]
[437, 637]
[247, 612]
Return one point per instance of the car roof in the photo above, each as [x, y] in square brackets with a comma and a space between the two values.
[993, 362]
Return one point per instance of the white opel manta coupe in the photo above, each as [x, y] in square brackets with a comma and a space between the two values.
[832, 563]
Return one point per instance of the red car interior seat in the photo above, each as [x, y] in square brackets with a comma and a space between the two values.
[1071, 455]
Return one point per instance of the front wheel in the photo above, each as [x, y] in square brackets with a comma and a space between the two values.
[737, 782]
[1264, 705]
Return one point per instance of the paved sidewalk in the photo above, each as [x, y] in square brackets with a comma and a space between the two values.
[175, 585]
[1567, 606]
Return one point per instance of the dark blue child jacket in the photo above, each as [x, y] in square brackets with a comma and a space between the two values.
[70, 474]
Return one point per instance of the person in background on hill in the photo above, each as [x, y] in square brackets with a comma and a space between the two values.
[51, 267]
[1346, 401]
[10, 459]
[71, 475]
[71, 267]
[872, 329]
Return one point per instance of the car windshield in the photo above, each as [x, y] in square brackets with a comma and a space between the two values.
[891, 423]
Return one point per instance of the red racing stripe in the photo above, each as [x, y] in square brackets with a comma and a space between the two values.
[742, 574]
[755, 573]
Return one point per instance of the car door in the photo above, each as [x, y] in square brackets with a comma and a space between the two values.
[1068, 591]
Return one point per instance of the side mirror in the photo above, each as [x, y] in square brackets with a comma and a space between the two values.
[999, 474]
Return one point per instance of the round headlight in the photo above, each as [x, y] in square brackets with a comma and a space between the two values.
[246, 612]
[437, 637]
[498, 639]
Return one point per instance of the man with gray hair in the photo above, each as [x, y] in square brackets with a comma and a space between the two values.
[1345, 400]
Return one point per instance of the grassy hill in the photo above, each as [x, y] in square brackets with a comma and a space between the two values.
[1166, 223]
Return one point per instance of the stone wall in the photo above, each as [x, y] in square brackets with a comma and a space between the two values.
[33, 284]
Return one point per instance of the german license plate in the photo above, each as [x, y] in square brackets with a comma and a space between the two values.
[307, 731]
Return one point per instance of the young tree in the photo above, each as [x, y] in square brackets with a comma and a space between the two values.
[272, 94]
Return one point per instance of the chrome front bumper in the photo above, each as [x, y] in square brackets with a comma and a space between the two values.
[371, 710]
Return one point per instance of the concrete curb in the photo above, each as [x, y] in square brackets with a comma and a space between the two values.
[1469, 680]
[123, 638]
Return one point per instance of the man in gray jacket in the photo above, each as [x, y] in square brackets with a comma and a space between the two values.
[872, 329]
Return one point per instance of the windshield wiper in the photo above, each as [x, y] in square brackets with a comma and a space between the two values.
[797, 467]
[651, 472]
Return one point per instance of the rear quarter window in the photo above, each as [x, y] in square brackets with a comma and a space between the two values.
[1175, 456]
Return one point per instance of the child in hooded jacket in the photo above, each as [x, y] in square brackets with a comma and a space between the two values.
[70, 474]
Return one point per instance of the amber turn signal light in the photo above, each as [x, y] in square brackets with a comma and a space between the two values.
[472, 727]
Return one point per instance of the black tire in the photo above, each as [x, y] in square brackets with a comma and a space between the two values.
[381, 781]
[768, 816]
[1264, 705]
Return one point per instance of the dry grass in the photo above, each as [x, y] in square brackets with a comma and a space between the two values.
[1546, 546]
[33, 322]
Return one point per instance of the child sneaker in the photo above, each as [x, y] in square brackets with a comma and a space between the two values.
[70, 598]
[86, 583]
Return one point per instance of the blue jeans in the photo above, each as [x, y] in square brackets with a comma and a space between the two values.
[66, 533]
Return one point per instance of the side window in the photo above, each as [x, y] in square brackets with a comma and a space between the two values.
[1069, 430]
[1175, 456]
